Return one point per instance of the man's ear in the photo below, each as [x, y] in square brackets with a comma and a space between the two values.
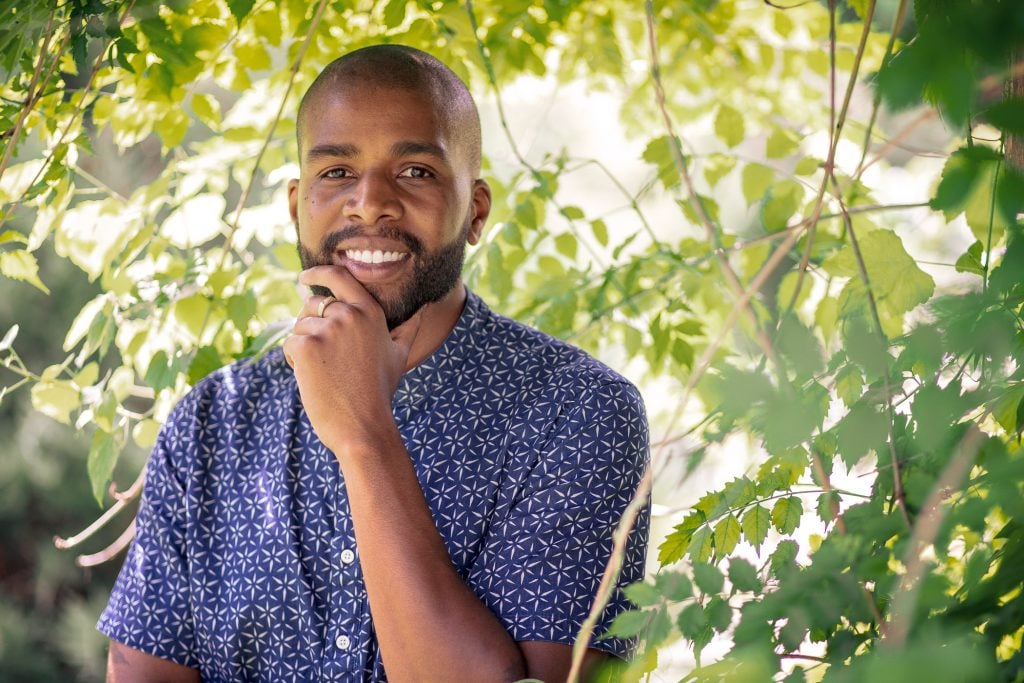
[293, 200]
[481, 208]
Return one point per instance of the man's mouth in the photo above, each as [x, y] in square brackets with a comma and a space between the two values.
[374, 256]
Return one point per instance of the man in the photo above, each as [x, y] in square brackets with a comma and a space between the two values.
[414, 487]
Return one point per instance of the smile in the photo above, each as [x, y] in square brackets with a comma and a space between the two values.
[374, 256]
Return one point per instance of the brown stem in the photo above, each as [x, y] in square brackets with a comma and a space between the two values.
[927, 528]
[27, 109]
[1015, 89]
[898, 492]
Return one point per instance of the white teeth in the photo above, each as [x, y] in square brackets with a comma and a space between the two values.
[367, 256]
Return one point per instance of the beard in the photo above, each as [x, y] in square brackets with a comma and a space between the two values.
[434, 273]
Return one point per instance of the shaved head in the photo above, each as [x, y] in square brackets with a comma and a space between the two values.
[402, 68]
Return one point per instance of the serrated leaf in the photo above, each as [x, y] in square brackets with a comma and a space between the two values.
[727, 535]
[708, 578]
[675, 586]
[729, 125]
[675, 544]
[898, 283]
[786, 514]
[783, 559]
[827, 505]
[756, 522]
[718, 613]
[628, 624]
[701, 545]
[743, 576]
[642, 594]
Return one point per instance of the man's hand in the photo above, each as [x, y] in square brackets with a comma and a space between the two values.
[346, 363]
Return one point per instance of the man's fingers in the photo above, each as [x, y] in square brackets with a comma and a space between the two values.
[342, 284]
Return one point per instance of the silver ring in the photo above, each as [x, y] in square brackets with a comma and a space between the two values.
[324, 303]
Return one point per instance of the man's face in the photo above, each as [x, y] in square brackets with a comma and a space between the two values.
[386, 192]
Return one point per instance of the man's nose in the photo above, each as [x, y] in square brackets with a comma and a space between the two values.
[374, 198]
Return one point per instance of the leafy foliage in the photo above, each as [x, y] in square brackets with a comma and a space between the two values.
[783, 297]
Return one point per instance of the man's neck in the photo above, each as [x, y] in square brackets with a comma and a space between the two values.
[439, 319]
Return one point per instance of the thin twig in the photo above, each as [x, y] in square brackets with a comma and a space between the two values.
[122, 500]
[296, 65]
[110, 551]
[898, 492]
[27, 109]
[927, 528]
[611, 573]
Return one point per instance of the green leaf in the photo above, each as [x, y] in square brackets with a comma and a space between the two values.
[970, 260]
[102, 457]
[241, 309]
[240, 8]
[675, 586]
[783, 559]
[628, 624]
[783, 201]
[899, 285]
[160, 374]
[849, 385]
[659, 153]
[719, 614]
[717, 167]
[786, 514]
[55, 398]
[600, 231]
[207, 109]
[781, 143]
[862, 430]
[642, 594]
[743, 576]
[709, 578]
[565, 243]
[727, 535]
[755, 525]
[755, 180]
[206, 360]
[701, 545]
[729, 125]
[1007, 115]
[21, 265]
[9, 337]
[394, 12]
[826, 502]
[676, 543]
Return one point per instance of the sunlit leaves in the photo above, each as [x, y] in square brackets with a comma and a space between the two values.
[786, 514]
[756, 522]
[21, 265]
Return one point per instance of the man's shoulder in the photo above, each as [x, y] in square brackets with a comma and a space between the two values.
[541, 357]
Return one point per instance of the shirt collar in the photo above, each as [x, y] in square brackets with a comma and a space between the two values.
[437, 369]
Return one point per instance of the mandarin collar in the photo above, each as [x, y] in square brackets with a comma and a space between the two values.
[439, 368]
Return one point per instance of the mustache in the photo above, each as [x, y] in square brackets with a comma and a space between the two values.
[329, 244]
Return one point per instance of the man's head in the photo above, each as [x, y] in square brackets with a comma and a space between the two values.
[389, 149]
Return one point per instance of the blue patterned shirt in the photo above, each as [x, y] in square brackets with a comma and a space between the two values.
[244, 563]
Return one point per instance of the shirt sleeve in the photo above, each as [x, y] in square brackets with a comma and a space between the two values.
[149, 607]
[542, 564]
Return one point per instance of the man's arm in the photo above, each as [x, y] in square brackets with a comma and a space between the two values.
[128, 665]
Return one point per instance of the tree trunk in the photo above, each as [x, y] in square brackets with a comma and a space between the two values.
[1015, 90]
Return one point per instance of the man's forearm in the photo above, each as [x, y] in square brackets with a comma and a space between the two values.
[429, 623]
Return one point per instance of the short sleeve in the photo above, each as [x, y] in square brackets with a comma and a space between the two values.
[542, 564]
[149, 607]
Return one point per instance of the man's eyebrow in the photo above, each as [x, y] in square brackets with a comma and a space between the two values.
[344, 151]
[415, 147]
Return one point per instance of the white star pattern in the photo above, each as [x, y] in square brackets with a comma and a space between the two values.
[244, 564]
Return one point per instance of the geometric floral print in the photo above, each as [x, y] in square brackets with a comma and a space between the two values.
[244, 563]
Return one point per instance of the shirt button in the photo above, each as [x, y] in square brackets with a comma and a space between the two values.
[347, 556]
[343, 642]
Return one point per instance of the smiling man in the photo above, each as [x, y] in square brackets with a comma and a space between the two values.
[414, 487]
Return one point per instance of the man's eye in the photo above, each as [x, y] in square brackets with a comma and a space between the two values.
[416, 172]
[337, 173]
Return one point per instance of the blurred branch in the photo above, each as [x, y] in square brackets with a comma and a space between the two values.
[1014, 88]
[122, 500]
[110, 551]
[927, 528]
